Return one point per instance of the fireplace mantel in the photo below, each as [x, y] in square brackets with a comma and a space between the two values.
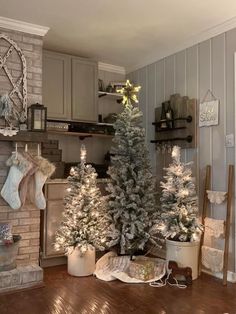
[26, 136]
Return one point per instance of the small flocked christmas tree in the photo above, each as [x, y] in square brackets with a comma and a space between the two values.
[85, 220]
[179, 203]
[131, 191]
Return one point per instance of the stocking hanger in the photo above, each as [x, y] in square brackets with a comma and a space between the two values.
[16, 149]
[26, 149]
[38, 150]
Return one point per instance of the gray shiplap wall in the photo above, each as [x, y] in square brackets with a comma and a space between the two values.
[191, 72]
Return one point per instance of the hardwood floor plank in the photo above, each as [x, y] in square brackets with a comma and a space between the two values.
[64, 294]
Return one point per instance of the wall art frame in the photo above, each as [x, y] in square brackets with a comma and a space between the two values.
[18, 86]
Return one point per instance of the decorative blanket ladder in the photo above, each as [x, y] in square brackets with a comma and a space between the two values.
[217, 198]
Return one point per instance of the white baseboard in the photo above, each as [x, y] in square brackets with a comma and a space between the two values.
[231, 276]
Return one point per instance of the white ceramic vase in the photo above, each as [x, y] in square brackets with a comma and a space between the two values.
[184, 253]
[81, 264]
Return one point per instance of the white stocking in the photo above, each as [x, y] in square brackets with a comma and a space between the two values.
[19, 167]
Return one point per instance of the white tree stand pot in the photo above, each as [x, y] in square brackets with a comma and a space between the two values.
[184, 253]
[81, 265]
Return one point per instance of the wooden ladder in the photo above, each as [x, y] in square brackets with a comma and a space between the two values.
[227, 220]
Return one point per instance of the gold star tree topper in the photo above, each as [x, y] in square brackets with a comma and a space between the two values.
[129, 93]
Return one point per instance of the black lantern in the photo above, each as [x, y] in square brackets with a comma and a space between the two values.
[37, 118]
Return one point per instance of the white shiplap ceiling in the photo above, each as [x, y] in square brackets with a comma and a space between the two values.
[127, 33]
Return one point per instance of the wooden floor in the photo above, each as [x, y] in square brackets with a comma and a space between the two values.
[64, 294]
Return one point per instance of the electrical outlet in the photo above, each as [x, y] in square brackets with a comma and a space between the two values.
[229, 140]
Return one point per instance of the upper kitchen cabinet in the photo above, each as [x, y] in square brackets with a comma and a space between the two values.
[84, 90]
[70, 87]
[57, 85]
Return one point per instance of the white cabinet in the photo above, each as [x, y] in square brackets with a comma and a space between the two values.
[57, 85]
[69, 87]
[84, 90]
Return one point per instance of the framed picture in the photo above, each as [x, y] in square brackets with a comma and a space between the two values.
[209, 113]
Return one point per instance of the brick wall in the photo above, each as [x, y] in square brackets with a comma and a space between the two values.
[25, 221]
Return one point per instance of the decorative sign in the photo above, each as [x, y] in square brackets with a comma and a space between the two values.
[209, 113]
[13, 104]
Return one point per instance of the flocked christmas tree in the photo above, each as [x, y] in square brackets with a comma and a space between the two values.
[86, 222]
[131, 191]
[179, 203]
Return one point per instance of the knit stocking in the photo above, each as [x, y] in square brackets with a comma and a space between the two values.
[24, 184]
[19, 167]
[45, 170]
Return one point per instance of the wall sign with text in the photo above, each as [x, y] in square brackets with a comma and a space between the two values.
[209, 113]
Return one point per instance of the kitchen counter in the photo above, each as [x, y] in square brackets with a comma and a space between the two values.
[55, 181]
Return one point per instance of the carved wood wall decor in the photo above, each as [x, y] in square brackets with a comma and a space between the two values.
[18, 86]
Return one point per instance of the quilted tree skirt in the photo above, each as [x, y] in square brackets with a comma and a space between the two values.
[112, 267]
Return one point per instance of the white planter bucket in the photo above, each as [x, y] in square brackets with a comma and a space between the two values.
[81, 265]
[184, 253]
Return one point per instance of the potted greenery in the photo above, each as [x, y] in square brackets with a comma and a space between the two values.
[131, 190]
[86, 225]
[178, 221]
[9, 245]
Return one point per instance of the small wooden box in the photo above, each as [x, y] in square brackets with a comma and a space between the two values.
[55, 157]
[59, 171]
[50, 144]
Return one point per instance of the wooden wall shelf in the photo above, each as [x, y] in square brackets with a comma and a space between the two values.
[114, 95]
[187, 119]
[169, 129]
[184, 131]
[102, 94]
[26, 136]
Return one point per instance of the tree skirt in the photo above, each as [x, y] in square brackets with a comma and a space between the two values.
[111, 267]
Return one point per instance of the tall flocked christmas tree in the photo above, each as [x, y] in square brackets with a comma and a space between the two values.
[131, 191]
[179, 206]
[86, 222]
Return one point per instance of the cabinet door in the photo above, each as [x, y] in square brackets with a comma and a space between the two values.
[53, 216]
[57, 85]
[84, 90]
[53, 220]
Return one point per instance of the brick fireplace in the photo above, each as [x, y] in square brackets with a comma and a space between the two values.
[25, 221]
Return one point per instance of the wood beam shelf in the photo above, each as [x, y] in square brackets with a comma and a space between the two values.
[188, 139]
[81, 135]
[102, 94]
[115, 95]
[26, 136]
